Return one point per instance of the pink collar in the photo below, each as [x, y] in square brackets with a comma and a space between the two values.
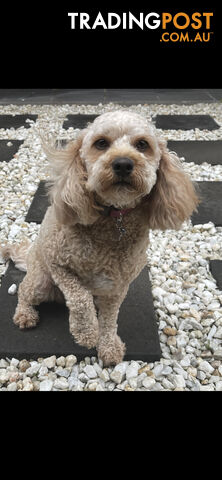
[117, 213]
[113, 211]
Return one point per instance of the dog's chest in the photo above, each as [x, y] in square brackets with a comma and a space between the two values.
[100, 258]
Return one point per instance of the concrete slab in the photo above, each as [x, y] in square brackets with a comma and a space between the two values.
[52, 96]
[198, 151]
[7, 152]
[216, 270]
[136, 325]
[78, 121]
[39, 204]
[128, 96]
[185, 122]
[161, 95]
[16, 121]
[209, 209]
[215, 94]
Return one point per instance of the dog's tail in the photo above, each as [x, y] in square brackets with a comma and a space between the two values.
[17, 253]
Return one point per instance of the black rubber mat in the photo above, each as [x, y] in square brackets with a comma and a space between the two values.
[185, 122]
[7, 152]
[136, 325]
[78, 121]
[216, 270]
[209, 209]
[16, 121]
[198, 151]
[39, 204]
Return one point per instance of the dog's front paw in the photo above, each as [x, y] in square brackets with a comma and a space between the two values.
[111, 351]
[85, 334]
[26, 318]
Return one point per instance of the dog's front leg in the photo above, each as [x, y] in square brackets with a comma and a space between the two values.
[110, 347]
[83, 322]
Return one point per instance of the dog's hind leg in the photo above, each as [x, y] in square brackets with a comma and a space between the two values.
[36, 287]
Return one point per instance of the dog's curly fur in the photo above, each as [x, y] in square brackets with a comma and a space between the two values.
[78, 256]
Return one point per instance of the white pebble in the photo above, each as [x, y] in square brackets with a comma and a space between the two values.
[149, 382]
[31, 371]
[61, 361]
[27, 385]
[14, 362]
[214, 305]
[206, 388]
[158, 370]
[219, 386]
[12, 387]
[14, 230]
[119, 372]
[70, 360]
[212, 332]
[182, 340]
[90, 371]
[12, 289]
[61, 383]
[132, 370]
[177, 380]
[46, 386]
[172, 308]
[158, 293]
[104, 375]
[218, 333]
[185, 361]
[50, 362]
[206, 367]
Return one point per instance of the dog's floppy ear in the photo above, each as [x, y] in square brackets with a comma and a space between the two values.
[173, 198]
[72, 203]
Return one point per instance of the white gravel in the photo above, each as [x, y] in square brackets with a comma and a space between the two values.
[187, 302]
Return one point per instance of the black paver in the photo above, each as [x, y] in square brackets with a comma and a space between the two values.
[209, 209]
[78, 121]
[16, 121]
[136, 325]
[39, 204]
[216, 270]
[198, 151]
[7, 152]
[185, 122]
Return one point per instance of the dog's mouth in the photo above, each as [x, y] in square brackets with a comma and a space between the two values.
[118, 185]
[122, 182]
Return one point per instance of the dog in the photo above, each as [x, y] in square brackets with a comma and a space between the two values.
[110, 186]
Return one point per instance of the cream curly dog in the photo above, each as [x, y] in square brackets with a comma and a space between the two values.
[110, 186]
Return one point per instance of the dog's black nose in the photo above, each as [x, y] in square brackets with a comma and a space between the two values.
[122, 166]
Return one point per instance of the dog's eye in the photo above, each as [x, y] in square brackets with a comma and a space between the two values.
[141, 145]
[101, 144]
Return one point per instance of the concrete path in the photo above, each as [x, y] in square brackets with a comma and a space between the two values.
[104, 95]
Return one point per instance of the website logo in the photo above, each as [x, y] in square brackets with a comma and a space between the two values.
[179, 27]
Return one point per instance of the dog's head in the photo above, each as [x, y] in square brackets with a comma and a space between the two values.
[120, 160]
[121, 155]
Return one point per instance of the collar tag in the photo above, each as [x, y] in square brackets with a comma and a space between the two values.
[119, 226]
